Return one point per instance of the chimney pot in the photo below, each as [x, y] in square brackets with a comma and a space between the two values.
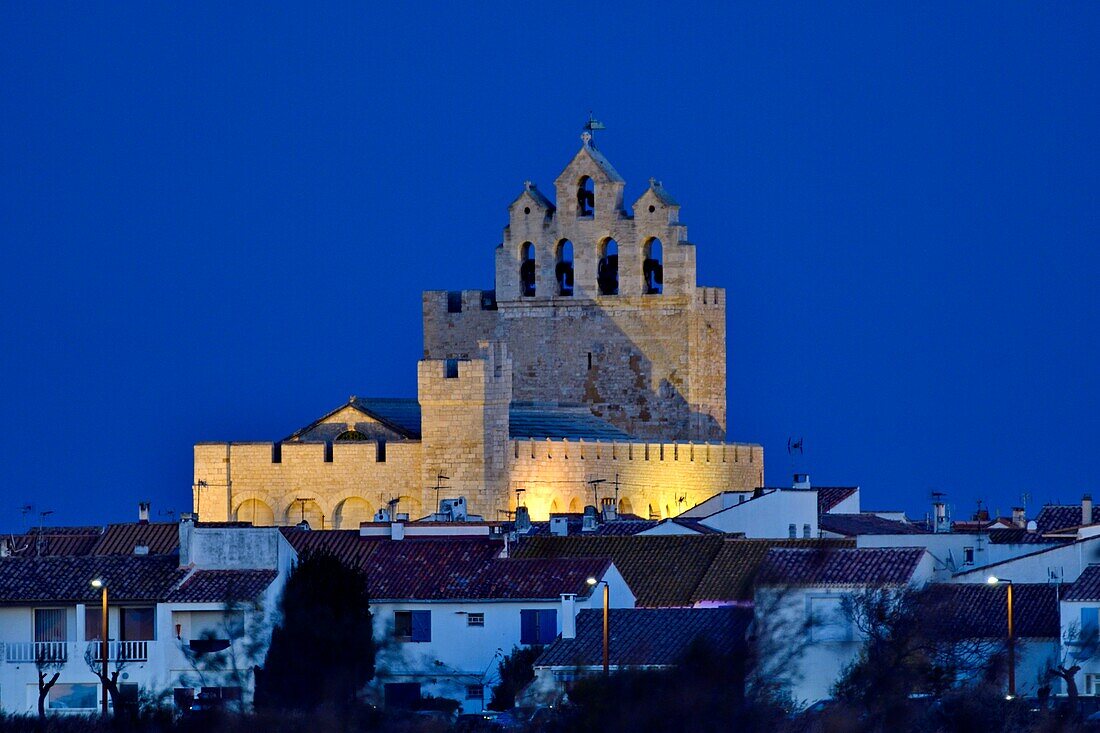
[143, 512]
[1086, 510]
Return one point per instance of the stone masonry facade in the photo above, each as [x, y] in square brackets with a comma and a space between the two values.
[595, 309]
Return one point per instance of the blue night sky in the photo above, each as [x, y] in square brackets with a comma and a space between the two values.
[217, 222]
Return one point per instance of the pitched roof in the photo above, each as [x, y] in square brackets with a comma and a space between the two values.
[543, 420]
[346, 544]
[68, 579]
[982, 609]
[1061, 516]
[853, 525]
[526, 419]
[532, 190]
[648, 636]
[53, 541]
[518, 578]
[1086, 587]
[829, 496]
[1020, 536]
[661, 570]
[162, 538]
[625, 524]
[217, 586]
[732, 574]
[862, 566]
[598, 158]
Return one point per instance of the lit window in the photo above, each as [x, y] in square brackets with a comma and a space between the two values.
[475, 619]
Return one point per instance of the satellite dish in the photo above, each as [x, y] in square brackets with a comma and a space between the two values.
[1032, 526]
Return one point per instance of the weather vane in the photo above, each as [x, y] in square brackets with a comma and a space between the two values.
[589, 127]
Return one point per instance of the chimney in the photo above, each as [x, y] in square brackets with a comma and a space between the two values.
[397, 531]
[523, 519]
[569, 615]
[187, 526]
[1086, 510]
[143, 513]
[559, 526]
[1018, 517]
[591, 519]
[801, 481]
[940, 522]
[610, 512]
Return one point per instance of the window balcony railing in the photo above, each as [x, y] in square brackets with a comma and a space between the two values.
[36, 652]
[120, 651]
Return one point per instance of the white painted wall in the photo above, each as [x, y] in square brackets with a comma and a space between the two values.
[459, 655]
[1065, 562]
[770, 515]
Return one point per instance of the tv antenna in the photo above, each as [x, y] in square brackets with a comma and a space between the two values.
[302, 500]
[794, 445]
[595, 484]
[520, 494]
[439, 479]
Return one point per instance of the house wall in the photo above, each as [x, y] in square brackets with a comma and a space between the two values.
[849, 505]
[1072, 651]
[948, 550]
[770, 515]
[459, 655]
[1064, 564]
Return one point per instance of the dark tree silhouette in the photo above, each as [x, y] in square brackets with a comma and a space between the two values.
[516, 671]
[322, 649]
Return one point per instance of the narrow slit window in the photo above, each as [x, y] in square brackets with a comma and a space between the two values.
[527, 270]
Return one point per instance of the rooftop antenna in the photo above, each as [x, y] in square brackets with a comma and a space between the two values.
[40, 537]
[520, 494]
[590, 127]
[302, 500]
[24, 511]
[792, 446]
[439, 479]
[169, 513]
[616, 491]
[595, 484]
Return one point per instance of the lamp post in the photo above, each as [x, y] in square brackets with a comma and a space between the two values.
[102, 586]
[606, 626]
[994, 580]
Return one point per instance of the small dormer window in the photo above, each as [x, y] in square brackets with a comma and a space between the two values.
[607, 271]
[563, 270]
[586, 197]
[653, 268]
[527, 270]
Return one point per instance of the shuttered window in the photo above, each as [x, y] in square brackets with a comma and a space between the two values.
[538, 626]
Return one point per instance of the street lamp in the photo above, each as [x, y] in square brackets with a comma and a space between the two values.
[994, 580]
[606, 604]
[101, 584]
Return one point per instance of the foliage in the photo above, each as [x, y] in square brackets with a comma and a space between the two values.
[322, 649]
[516, 671]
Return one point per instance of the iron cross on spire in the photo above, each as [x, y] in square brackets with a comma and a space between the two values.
[589, 127]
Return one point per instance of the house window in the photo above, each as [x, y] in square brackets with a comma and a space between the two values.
[412, 625]
[49, 624]
[538, 626]
[475, 692]
[828, 621]
[968, 556]
[1090, 624]
[792, 531]
[136, 624]
[69, 696]
[475, 619]
[93, 622]
[1092, 685]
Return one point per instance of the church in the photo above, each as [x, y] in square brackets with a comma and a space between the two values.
[593, 373]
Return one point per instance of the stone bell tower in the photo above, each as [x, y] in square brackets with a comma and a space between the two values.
[599, 306]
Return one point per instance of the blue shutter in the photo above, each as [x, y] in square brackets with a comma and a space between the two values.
[528, 627]
[1089, 623]
[422, 625]
[548, 626]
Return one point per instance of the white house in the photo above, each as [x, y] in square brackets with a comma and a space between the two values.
[799, 613]
[1080, 628]
[165, 612]
[447, 607]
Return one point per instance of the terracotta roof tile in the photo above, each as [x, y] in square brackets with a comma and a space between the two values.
[648, 636]
[129, 578]
[732, 574]
[53, 541]
[218, 586]
[863, 566]
[1086, 587]
[1061, 516]
[853, 525]
[162, 538]
[661, 570]
[982, 609]
[829, 496]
